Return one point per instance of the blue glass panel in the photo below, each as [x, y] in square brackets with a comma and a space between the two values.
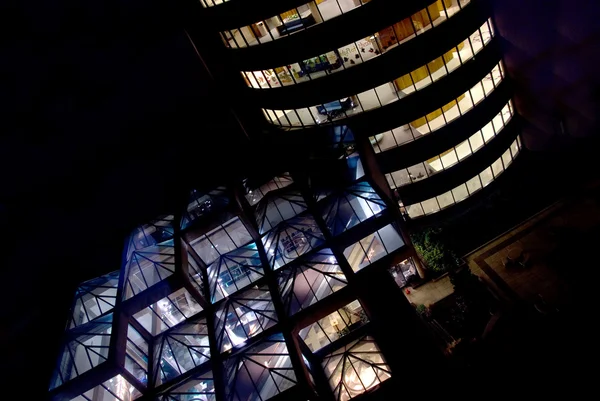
[261, 372]
[94, 298]
[291, 239]
[233, 271]
[344, 210]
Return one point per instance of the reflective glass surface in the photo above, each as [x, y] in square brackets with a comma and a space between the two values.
[389, 92]
[355, 53]
[344, 210]
[310, 280]
[148, 267]
[243, 316]
[450, 157]
[260, 373]
[467, 189]
[85, 347]
[333, 326]
[373, 247]
[291, 239]
[115, 389]
[200, 387]
[356, 368]
[168, 312]
[94, 298]
[180, 349]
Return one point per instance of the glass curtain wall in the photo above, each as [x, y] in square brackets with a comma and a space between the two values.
[389, 92]
[463, 191]
[450, 157]
[218, 305]
[353, 53]
[441, 117]
[212, 3]
[289, 22]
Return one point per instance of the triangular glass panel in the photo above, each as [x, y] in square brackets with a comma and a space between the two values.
[277, 207]
[262, 372]
[86, 347]
[291, 239]
[148, 267]
[309, 280]
[203, 204]
[94, 298]
[153, 233]
[200, 387]
[243, 316]
[181, 349]
[355, 368]
[115, 389]
[168, 312]
[345, 209]
[234, 271]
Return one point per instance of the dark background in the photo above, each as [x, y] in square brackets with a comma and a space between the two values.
[107, 112]
[107, 115]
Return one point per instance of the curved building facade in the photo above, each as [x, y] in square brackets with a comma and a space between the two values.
[289, 286]
[422, 82]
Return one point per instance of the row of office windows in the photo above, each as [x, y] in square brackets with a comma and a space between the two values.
[441, 117]
[389, 92]
[467, 189]
[289, 22]
[352, 54]
[450, 157]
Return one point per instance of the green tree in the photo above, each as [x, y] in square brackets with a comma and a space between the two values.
[434, 252]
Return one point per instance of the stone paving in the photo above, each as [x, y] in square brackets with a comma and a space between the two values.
[430, 292]
[539, 238]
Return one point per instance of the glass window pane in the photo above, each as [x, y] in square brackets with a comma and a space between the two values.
[355, 369]
[460, 192]
[430, 206]
[243, 316]
[452, 111]
[373, 247]
[506, 158]
[181, 349]
[199, 386]
[476, 141]
[115, 389]
[368, 100]
[333, 326]
[417, 172]
[473, 185]
[477, 92]
[136, 355]
[463, 150]
[301, 285]
[415, 210]
[486, 176]
[434, 165]
[168, 312]
[400, 178]
[488, 132]
[449, 158]
[445, 200]
[497, 167]
[387, 93]
[261, 372]
[514, 147]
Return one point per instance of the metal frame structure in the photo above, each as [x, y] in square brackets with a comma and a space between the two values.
[188, 317]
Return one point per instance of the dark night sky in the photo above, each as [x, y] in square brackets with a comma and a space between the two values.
[104, 106]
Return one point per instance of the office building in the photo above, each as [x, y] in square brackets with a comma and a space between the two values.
[279, 286]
